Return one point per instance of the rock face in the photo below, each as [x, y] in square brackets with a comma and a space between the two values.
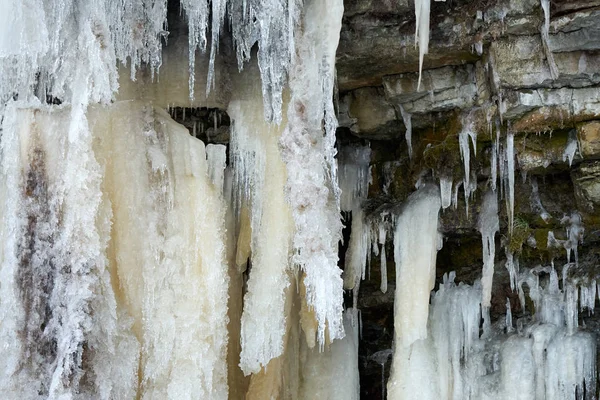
[490, 70]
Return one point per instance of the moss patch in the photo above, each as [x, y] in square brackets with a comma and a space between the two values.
[521, 232]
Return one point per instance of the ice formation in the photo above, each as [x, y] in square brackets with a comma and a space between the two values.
[407, 119]
[131, 252]
[260, 178]
[510, 179]
[414, 255]
[545, 39]
[312, 188]
[136, 262]
[488, 226]
[139, 272]
[571, 148]
[422, 9]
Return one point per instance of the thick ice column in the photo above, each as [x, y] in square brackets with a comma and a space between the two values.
[260, 186]
[53, 265]
[415, 251]
[309, 156]
[167, 249]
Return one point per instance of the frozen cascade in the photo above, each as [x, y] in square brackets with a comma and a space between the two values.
[488, 226]
[100, 245]
[312, 187]
[259, 179]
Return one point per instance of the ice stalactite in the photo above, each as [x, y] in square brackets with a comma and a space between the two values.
[415, 254]
[510, 179]
[308, 153]
[446, 191]
[354, 178]
[467, 132]
[407, 119]
[488, 226]
[422, 10]
[545, 39]
[572, 147]
[260, 177]
[273, 25]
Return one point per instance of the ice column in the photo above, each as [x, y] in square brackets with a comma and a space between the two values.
[309, 156]
[415, 251]
[260, 177]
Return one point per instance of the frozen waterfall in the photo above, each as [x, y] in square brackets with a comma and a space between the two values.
[140, 262]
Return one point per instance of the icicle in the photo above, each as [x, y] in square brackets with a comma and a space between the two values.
[512, 265]
[575, 232]
[422, 9]
[509, 321]
[545, 39]
[494, 165]
[465, 153]
[381, 358]
[446, 191]
[572, 146]
[510, 159]
[358, 248]
[338, 363]
[488, 226]
[382, 236]
[536, 203]
[455, 330]
[407, 119]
